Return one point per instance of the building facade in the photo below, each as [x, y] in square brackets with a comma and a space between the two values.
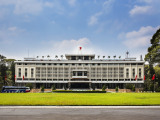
[79, 71]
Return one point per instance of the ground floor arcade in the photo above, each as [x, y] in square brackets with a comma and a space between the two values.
[81, 85]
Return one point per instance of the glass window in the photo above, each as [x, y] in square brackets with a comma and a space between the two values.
[19, 72]
[98, 64]
[60, 63]
[86, 64]
[38, 63]
[43, 64]
[93, 64]
[140, 63]
[127, 64]
[66, 64]
[55, 64]
[79, 64]
[73, 64]
[110, 64]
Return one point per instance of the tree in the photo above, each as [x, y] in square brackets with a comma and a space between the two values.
[133, 88]
[13, 72]
[62, 56]
[116, 89]
[153, 55]
[129, 86]
[98, 56]
[119, 57]
[56, 56]
[1, 81]
[103, 88]
[29, 85]
[53, 87]
[114, 56]
[42, 88]
[151, 87]
[103, 57]
[48, 56]
[108, 57]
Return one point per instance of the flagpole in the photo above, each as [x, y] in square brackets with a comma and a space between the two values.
[154, 81]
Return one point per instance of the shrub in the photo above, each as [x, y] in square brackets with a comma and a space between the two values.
[116, 89]
[133, 88]
[53, 87]
[158, 89]
[65, 88]
[29, 85]
[93, 87]
[103, 88]
[151, 87]
[129, 86]
[145, 88]
[42, 88]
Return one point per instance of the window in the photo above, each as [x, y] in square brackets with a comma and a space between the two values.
[73, 64]
[60, 64]
[74, 73]
[73, 57]
[110, 64]
[32, 72]
[80, 57]
[86, 57]
[49, 64]
[55, 64]
[79, 73]
[133, 72]
[140, 63]
[38, 63]
[25, 72]
[85, 73]
[79, 64]
[127, 64]
[139, 73]
[127, 72]
[86, 64]
[66, 64]
[93, 64]
[25, 63]
[133, 63]
[115, 63]
[19, 71]
[43, 64]
[121, 63]
[98, 64]
[19, 63]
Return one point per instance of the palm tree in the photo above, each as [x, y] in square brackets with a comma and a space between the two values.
[37, 57]
[114, 56]
[48, 56]
[119, 57]
[98, 56]
[56, 56]
[42, 56]
[103, 57]
[108, 57]
[62, 56]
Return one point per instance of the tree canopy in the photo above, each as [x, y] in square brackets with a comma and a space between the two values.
[153, 55]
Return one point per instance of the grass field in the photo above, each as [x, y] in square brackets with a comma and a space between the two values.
[79, 98]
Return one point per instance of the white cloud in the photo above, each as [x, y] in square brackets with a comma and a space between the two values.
[72, 2]
[146, 1]
[107, 5]
[12, 28]
[94, 19]
[53, 22]
[71, 47]
[48, 4]
[3, 12]
[140, 10]
[30, 6]
[138, 38]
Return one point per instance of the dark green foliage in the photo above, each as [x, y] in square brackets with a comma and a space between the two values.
[129, 86]
[116, 89]
[70, 91]
[93, 87]
[103, 88]
[53, 87]
[65, 88]
[13, 72]
[133, 88]
[151, 87]
[42, 88]
[158, 89]
[29, 85]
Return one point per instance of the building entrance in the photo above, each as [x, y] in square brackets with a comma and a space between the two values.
[80, 85]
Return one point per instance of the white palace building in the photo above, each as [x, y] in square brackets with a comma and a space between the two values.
[79, 71]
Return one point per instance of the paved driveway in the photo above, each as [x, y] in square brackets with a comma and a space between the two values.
[80, 113]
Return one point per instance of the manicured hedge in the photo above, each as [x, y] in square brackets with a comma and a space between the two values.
[70, 91]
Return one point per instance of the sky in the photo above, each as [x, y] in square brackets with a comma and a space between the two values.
[59, 27]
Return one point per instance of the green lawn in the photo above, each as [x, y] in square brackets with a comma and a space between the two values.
[79, 98]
